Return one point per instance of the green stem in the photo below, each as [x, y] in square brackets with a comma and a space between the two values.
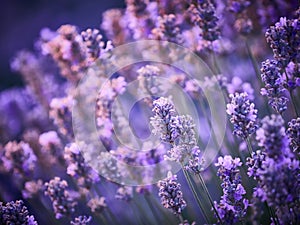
[293, 100]
[209, 197]
[249, 146]
[195, 195]
[156, 216]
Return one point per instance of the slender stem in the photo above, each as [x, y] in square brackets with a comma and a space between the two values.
[253, 61]
[249, 146]
[209, 197]
[180, 218]
[195, 195]
[293, 100]
[154, 213]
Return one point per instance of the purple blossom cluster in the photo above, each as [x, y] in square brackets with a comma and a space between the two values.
[171, 195]
[243, 115]
[233, 205]
[45, 164]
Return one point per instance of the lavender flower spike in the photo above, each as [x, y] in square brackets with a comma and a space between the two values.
[233, 205]
[243, 115]
[272, 138]
[274, 87]
[162, 121]
[170, 194]
[293, 133]
[62, 202]
[15, 213]
[81, 220]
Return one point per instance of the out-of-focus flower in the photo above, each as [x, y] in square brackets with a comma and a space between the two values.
[274, 88]
[114, 26]
[171, 195]
[62, 202]
[94, 44]
[283, 38]
[272, 138]
[293, 133]
[19, 158]
[243, 115]
[237, 85]
[167, 29]
[203, 14]
[97, 204]
[124, 193]
[84, 175]
[32, 188]
[67, 50]
[279, 185]
[51, 147]
[15, 212]
[81, 220]
[60, 112]
[243, 23]
[233, 205]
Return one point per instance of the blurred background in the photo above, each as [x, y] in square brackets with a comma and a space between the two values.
[22, 20]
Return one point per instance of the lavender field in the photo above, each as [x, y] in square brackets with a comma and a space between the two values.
[167, 112]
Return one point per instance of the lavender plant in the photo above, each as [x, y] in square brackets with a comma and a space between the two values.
[42, 162]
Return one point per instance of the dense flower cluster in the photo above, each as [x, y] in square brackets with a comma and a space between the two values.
[77, 167]
[276, 170]
[274, 85]
[19, 158]
[272, 138]
[62, 202]
[38, 143]
[233, 205]
[204, 15]
[170, 194]
[15, 213]
[293, 133]
[284, 41]
[243, 115]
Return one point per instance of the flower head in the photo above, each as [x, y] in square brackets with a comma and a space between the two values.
[293, 133]
[15, 213]
[170, 194]
[62, 203]
[243, 115]
[233, 205]
[274, 88]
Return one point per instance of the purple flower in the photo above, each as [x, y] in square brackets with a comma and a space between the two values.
[124, 193]
[233, 205]
[203, 14]
[84, 175]
[62, 202]
[97, 204]
[243, 115]
[19, 158]
[94, 44]
[81, 220]
[15, 213]
[293, 133]
[279, 185]
[167, 29]
[170, 194]
[274, 86]
[238, 6]
[284, 39]
[237, 85]
[66, 49]
[272, 138]
[162, 122]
